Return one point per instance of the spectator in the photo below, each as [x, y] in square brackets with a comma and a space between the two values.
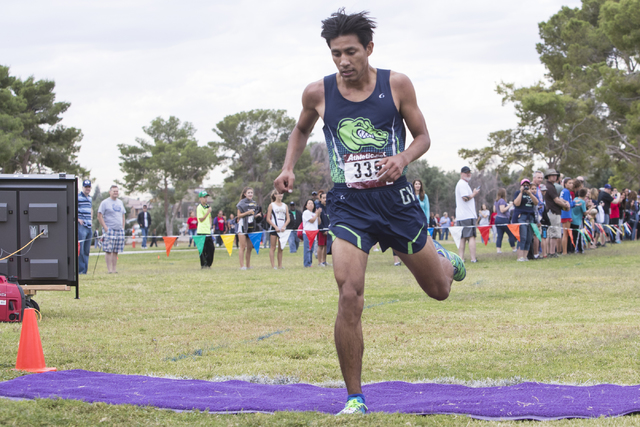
[614, 218]
[484, 217]
[555, 207]
[219, 227]
[565, 215]
[247, 219]
[501, 209]
[524, 201]
[466, 213]
[296, 219]
[445, 222]
[154, 239]
[433, 224]
[423, 199]
[604, 200]
[232, 227]
[192, 225]
[634, 208]
[310, 223]
[203, 214]
[544, 223]
[323, 235]
[578, 212]
[536, 182]
[85, 218]
[278, 219]
[111, 215]
[144, 221]
[437, 234]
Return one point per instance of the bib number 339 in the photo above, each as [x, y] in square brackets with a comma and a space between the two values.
[360, 170]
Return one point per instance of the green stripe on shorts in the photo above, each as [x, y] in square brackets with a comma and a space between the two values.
[410, 244]
[358, 244]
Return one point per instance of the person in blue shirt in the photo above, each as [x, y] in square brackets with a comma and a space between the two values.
[85, 233]
[423, 199]
[566, 215]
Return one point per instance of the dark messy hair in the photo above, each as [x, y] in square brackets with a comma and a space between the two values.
[341, 24]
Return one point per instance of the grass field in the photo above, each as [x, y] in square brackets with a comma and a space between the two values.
[572, 320]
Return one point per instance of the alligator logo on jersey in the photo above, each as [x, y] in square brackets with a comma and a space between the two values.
[359, 133]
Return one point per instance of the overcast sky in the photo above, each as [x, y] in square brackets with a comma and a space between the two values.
[122, 63]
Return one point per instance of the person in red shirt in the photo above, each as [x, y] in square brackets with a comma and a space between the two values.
[219, 227]
[192, 223]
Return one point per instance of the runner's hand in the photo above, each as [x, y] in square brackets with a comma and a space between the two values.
[391, 168]
[284, 181]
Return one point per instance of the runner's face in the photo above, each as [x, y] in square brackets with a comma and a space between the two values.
[350, 57]
[279, 198]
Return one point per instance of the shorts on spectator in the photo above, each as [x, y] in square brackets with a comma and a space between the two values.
[555, 229]
[113, 241]
[322, 238]
[469, 229]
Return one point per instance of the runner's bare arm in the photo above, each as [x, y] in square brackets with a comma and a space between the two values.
[404, 96]
[312, 99]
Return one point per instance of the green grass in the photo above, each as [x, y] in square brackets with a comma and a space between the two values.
[572, 320]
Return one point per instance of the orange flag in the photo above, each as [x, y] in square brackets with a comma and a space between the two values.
[311, 236]
[168, 243]
[515, 230]
[484, 232]
[571, 236]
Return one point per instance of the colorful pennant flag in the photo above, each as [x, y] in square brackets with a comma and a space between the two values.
[484, 232]
[456, 233]
[283, 237]
[168, 243]
[199, 241]
[515, 230]
[430, 230]
[255, 240]
[228, 240]
[311, 237]
[534, 227]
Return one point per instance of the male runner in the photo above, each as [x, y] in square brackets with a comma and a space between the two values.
[363, 110]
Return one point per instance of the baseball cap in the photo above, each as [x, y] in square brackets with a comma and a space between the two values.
[607, 186]
[465, 169]
[203, 194]
[525, 180]
[292, 203]
[86, 183]
[543, 187]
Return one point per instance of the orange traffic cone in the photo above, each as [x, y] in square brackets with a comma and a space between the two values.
[30, 355]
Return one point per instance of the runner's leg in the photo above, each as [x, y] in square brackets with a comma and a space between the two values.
[433, 272]
[349, 265]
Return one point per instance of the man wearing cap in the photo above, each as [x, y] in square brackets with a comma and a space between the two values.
[296, 219]
[144, 220]
[524, 202]
[203, 214]
[85, 217]
[466, 213]
[555, 206]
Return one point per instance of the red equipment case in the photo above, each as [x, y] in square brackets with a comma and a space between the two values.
[12, 300]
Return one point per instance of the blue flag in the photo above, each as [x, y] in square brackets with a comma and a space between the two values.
[255, 240]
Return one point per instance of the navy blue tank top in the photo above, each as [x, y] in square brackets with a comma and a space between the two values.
[358, 134]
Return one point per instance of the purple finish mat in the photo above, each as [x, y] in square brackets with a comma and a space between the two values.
[533, 401]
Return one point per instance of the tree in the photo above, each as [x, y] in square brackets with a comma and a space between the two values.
[169, 164]
[554, 129]
[32, 140]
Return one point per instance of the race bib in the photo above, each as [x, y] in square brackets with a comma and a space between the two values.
[250, 219]
[360, 170]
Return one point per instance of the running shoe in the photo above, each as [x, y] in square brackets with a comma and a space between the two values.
[459, 270]
[354, 406]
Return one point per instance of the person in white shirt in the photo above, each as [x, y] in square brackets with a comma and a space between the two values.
[466, 213]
